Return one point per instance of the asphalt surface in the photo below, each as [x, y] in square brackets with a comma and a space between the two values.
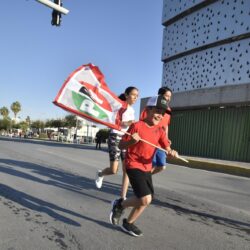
[215, 165]
[49, 201]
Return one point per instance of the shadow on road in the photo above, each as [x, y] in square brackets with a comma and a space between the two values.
[41, 206]
[56, 178]
[36, 204]
[228, 222]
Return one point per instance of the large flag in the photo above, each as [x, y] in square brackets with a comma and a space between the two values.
[86, 94]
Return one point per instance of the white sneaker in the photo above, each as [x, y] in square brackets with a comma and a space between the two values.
[98, 180]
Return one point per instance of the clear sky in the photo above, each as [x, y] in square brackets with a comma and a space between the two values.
[123, 38]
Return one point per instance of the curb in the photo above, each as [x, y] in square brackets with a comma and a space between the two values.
[227, 168]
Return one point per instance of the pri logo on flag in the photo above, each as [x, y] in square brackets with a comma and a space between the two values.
[86, 94]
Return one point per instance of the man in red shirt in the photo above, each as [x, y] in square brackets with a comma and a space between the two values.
[138, 162]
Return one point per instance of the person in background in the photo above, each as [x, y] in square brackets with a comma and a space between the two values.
[130, 96]
[160, 158]
[98, 140]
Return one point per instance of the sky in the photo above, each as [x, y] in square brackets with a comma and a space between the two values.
[122, 38]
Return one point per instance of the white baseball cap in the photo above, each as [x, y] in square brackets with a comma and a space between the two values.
[158, 101]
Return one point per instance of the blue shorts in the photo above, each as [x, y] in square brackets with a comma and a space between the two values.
[159, 159]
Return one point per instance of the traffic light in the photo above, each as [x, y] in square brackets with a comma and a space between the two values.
[56, 15]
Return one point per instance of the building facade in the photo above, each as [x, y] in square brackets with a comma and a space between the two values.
[206, 62]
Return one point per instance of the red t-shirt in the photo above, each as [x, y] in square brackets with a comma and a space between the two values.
[165, 121]
[140, 155]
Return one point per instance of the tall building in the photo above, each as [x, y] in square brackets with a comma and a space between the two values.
[206, 62]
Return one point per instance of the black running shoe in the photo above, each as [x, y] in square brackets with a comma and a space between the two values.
[116, 211]
[131, 228]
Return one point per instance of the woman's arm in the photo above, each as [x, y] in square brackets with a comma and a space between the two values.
[127, 123]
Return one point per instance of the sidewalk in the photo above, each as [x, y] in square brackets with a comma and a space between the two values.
[223, 166]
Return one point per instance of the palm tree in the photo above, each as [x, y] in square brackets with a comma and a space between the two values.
[16, 108]
[4, 112]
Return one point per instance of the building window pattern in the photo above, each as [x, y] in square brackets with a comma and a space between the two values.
[172, 8]
[211, 24]
[209, 47]
[223, 65]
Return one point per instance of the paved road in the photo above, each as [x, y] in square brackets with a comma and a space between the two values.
[48, 200]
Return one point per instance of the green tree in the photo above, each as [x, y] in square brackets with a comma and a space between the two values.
[48, 123]
[38, 124]
[70, 121]
[16, 125]
[57, 123]
[5, 124]
[23, 125]
[104, 133]
[28, 121]
[4, 111]
[16, 108]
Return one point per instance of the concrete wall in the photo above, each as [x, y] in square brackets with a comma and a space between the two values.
[220, 96]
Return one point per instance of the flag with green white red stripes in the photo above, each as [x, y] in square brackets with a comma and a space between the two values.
[86, 94]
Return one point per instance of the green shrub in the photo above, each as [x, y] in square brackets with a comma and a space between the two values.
[43, 136]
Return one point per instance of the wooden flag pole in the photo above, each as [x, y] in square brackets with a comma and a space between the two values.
[178, 157]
